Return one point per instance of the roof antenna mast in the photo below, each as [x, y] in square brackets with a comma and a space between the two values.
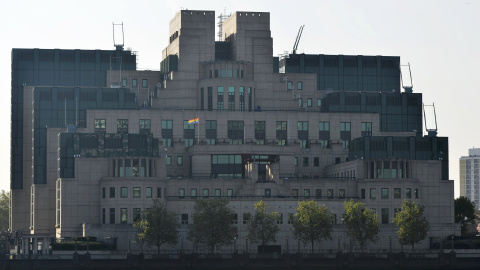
[121, 40]
[299, 35]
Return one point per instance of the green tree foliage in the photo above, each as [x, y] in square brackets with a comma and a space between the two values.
[212, 223]
[157, 226]
[263, 227]
[413, 226]
[4, 210]
[464, 212]
[362, 224]
[312, 222]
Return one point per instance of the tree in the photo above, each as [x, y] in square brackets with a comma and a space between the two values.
[413, 226]
[212, 223]
[362, 224]
[4, 210]
[312, 222]
[464, 212]
[157, 226]
[263, 227]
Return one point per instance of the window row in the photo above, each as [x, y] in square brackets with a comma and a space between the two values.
[205, 193]
[397, 193]
[136, 192]
[135, 83]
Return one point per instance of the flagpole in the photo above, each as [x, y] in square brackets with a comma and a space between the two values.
[198, 132]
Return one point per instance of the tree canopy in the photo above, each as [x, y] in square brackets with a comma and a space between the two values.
[362, 224]
[157, 226]
[312, 222]
[263, 227]
[212, 223]
[413, 226]
[464, 212]
[4, 210]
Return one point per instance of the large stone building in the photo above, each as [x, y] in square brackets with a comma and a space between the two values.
[469, 176]
[94, 140]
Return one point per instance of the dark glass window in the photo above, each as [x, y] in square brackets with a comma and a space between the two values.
[122, 125]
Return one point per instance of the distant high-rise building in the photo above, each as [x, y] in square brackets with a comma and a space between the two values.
[94, 140]
[470, 176]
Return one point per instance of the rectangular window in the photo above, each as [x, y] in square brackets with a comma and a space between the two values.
[103, 193]
[181, 193]
[188, 133]
[316, 161]
[330, 193]
[122, 125]
[123, 215]
[384, 193]
[144, 126]
[100, 126]
[289, 85]
[309, 102]
[366, 128]
[124, 82]
[159, 192]
[167, 133]
[148, 192]
[295, 193]
[408, 193]
[280, 218]
[235, 219]
[246, 218]
[211, 131]
[305, 161]
[300, 102]
[318, 193]
[218, 192]
[302, 133]
[229, 193]
[344, 126]
[144, 83]
[210, 98]
[306, 193]
[220, 98]
[362, 191]
[231, 98]
[296, 161]
[193, 193]
[180, 161]
[373, 193]
[290, 218]
[134, 82]
[384, 215]
[417, 193]
[136, 192]
[184, 218]
[299, 85]
[112, 192]
[324, 133]
[112, 215]
[281, 129]
[168, 160]
[242, 98]
[341, 193]
[205, 193]
[397, 193]
[268, 193]
[103, 215]
[235, 132]
[123, 192]
[260, 132]
[319, 102]
[137, 214]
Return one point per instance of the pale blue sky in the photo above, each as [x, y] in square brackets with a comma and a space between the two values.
[439, 38]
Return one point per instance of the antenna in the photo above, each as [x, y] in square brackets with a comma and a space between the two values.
[433, 131]
[297, 40]
[222, 17]
[121, 40]
[409, 87]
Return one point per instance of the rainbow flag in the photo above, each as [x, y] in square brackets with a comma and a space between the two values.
[193, 121]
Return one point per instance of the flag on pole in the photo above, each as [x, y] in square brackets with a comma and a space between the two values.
[193, 121]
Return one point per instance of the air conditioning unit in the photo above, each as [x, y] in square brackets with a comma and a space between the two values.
[152, 94]
[298, 96]
[145, 103]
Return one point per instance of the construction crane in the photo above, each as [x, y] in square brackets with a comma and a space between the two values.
[295, 46]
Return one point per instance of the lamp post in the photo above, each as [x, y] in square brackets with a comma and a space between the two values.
[235, 244]
[339, 237]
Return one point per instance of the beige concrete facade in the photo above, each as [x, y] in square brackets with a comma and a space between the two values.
[102, 199]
